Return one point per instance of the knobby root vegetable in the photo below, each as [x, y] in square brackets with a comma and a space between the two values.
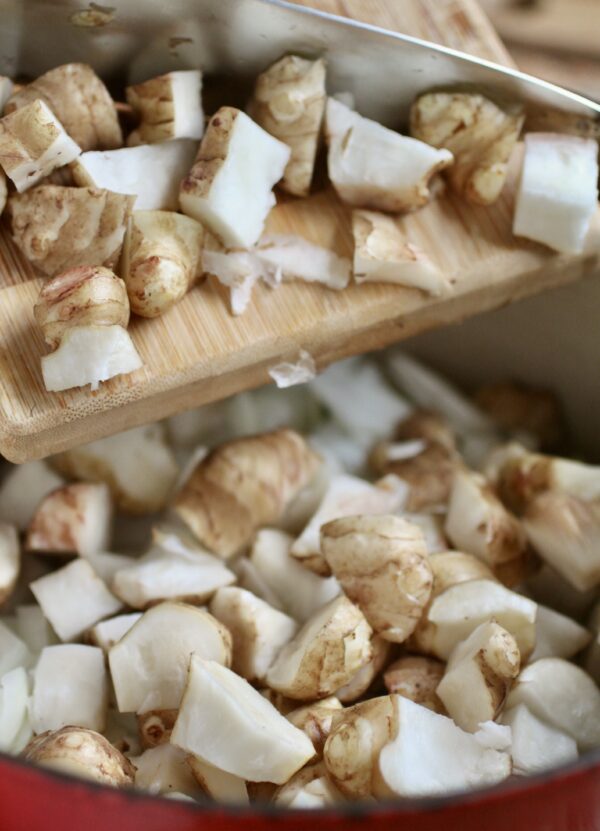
[229, 188]
[82, 296]
[74, 519]
[149, 664]
[480, 135]
[161, 260]
[59, 228]
[227, 723]
[373, 167]
[243, 485]
[79, 100]
[32, 144]
[478, 676]
[382, 565]
[289, 103]
[83, 314]
[81, 752]
[168, 106]
[416, 677]
[382, 254]
[325, 654]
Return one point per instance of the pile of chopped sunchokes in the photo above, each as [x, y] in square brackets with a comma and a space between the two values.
[184, 196]
[285, 599]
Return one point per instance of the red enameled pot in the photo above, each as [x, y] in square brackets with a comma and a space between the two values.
[35, 800]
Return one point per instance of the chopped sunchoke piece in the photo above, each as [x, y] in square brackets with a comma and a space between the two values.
[161, 260]
[81, 752]
[57, 228]
[10, 559]
[524, 409]
[431, 755]
[558, 190]
[562, 695]
[428, 469]
[352, 748]
[479, 134]
[70, 686]
[82, 296]
[149, 664]
[536, 746]
[382, 565]
[325, 654]
[137, 465]
[219, 785]
[288, 374]
[73, 598]
[290, 257]
[80, 101]
[373, 167]
[358, 685]
[108, 632]
[227, 723]
[230, 186]
[383, 255]
[15, 726]
[163, 575]
[455, 613]
[345, 496]
[259, 632]
[32, 143]
[565, 532]
[428, 426]
[164, 770]
[22, 489]
[301, 592]
[478, 676]
[90, 355]
[521, 476]
[452, 567]
[34, 629]
[557, 636]
[13, 650]
[309, 788]
[169, 107]
[155, 727]
[316, 720]
[289, 103]
[336, 389]
[74, 519]
[127, 171]
[391, 746]
[417, 678]
[242, 485]
[478, 523]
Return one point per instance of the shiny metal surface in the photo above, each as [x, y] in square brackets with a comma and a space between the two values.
[239, 38]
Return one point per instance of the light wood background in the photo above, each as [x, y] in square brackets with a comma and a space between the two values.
[198, 352]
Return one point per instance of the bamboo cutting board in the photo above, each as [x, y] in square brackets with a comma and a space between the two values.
[198, 352]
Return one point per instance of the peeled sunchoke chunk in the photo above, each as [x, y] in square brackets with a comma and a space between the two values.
[229, 188]
[373, 167]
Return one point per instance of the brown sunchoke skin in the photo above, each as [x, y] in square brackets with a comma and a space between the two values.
[243, 485]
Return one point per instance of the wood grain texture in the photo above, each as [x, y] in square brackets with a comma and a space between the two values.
[198, 352]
